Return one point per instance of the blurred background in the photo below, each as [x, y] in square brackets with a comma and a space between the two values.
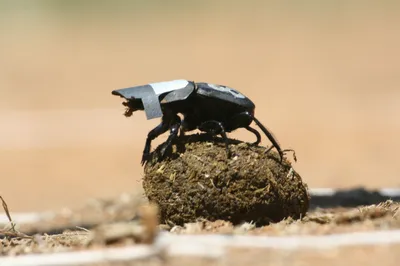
[324, 75]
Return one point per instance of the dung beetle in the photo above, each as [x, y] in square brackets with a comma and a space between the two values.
[211, 108]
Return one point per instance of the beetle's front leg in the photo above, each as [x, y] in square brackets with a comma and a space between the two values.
[154, 133]
[216, 128]
[175, 124]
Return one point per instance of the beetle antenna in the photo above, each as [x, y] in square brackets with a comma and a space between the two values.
[270, 137]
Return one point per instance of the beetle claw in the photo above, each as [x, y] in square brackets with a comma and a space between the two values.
[145, 158]
[163, 150]
[281, 156]
[255, 143]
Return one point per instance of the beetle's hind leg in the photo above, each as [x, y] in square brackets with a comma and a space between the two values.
[270, 137]
[216, 128]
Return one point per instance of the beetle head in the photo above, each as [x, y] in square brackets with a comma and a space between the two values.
[132, 105]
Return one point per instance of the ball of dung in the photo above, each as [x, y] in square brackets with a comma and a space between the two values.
[196, 180]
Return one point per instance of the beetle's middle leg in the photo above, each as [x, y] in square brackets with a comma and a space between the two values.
[189, 123]
[216, 128]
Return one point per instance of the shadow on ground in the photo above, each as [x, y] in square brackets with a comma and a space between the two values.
[350, 198]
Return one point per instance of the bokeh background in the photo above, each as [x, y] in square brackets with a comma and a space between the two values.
[325, 76]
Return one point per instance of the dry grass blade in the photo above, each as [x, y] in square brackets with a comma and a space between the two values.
[12, 232]
[5, 207]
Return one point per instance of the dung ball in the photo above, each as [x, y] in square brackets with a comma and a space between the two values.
[196, 180]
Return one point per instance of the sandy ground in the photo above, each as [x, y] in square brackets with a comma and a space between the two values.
[102, 226]
[325, 81]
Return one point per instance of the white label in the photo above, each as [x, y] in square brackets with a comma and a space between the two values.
[167, 86]
[234, 93]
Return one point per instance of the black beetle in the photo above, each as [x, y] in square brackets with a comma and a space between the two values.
[211, 108]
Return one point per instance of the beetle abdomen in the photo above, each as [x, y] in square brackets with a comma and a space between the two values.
[224, 93]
